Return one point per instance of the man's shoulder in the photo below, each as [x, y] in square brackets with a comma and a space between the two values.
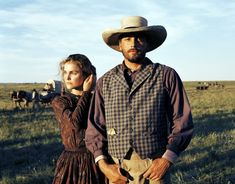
[168, 72]
[166, 69]
[163, 67]
[108, 74]
[111, 71]
[157, 65]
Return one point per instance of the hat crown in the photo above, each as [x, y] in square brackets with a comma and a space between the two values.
[133, 21]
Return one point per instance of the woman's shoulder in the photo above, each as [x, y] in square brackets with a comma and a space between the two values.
[65, 98]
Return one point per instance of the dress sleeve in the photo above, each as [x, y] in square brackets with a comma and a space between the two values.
[96, 138]
[179, 113]
[74, 116]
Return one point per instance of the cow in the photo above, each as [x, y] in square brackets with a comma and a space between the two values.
[46, 97]
[19, 97]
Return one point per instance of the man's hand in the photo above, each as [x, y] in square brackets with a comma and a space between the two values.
[112, 172]
[158, 169]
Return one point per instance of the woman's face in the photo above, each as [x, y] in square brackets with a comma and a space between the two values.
[72, 74]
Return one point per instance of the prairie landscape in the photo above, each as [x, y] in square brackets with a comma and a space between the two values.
[30, 142]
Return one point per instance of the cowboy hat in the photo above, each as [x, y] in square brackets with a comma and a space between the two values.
[155, 35]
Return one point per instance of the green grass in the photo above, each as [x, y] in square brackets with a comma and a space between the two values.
[210, 156]
[30, 142]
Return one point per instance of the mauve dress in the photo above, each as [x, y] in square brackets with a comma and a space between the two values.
[76, 164]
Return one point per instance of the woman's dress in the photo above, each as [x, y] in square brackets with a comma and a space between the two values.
[76, 164]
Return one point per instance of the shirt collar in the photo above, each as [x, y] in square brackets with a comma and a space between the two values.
[146, 62]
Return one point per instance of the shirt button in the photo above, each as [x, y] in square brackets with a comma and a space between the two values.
[129, 106]
[131, 142]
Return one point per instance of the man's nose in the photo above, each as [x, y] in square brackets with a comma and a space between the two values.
[134, 42]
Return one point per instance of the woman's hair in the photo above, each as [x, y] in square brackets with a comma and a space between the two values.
[82, 62]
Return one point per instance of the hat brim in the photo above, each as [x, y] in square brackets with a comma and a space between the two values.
[155, 35]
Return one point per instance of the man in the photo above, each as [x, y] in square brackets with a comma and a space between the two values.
[140, 118]
[35, 100]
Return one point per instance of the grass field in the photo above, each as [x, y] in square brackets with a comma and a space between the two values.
[30, 142]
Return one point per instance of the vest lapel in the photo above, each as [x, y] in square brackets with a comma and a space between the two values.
[141, 77]
[119, 77]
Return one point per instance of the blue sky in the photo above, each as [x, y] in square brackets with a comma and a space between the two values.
[35, 35]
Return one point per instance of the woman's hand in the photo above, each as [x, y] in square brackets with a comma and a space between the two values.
[89, 83]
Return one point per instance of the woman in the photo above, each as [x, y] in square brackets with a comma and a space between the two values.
[76, 164]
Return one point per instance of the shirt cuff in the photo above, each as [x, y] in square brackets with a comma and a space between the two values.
[99, 158]
[170, 156]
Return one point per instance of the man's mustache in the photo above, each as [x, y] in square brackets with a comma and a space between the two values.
[134, 50]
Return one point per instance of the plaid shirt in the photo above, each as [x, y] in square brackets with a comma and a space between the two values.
[139, 116]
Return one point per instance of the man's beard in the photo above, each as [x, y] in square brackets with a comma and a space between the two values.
[138, 58]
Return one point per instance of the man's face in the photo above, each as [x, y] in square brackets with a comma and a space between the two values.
[133, 47]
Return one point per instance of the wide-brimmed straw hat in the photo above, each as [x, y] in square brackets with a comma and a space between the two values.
[155, 35]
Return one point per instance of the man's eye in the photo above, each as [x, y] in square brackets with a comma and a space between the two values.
[141, 40]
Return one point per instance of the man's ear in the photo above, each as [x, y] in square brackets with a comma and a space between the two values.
[119, 45]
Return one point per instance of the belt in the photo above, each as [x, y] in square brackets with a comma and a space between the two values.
[132, 155]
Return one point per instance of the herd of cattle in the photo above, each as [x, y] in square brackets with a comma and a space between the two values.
[206, 85]
[22, 98]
